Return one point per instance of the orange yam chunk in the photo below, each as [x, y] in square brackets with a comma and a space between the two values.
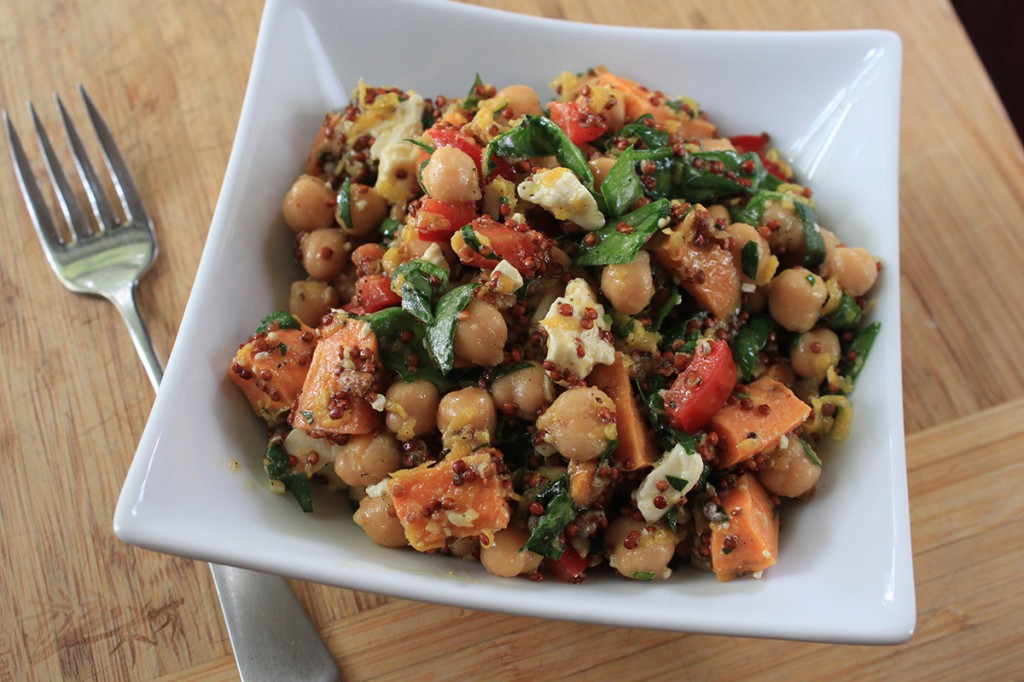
[455, 498]
[639, 99]
[749, 541]
[636, 448]
[744, 433]
[707, 272]
[343, 378]
[270, 369]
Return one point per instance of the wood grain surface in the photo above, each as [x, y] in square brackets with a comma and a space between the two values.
[75, 603]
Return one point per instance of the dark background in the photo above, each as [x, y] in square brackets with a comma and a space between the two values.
[996, 28]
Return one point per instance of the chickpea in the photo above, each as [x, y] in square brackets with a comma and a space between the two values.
[580, 424]
[468, 409]
[615, 115]
[463, 548]
[366, 209]
[742, 234]
[795, 298]
[411, 408]
[529, 389]
[450, 176]
[480, 334]
[309, 205]
[636, 552]
[629, 286]
[309, 300]
[522, 99]
[814, 352]
[367, 259]
[379, 525]
[600, 167]
[323, 253]
[501, 557]
[854, 268]
[789, 471]
[789, 237]
[367, 459]
[719, 212]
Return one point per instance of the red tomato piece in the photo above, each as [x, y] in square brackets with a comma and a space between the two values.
[373, 293]
[750, 143]
[576, 122]
[528, 251]
[449, 137]
[457, 214]
[570, 567]
[702, 389]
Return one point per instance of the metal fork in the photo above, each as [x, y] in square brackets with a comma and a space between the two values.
[271, 635]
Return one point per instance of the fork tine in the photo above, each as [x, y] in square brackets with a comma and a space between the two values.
[65, 196]
[131, 200]
[37, 209]
[93, 188]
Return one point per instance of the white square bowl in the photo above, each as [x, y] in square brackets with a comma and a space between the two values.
[830, 100]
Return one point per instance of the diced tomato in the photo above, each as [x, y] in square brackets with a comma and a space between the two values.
[750, 143]
[449, 137]
[528, 251]
[702, 389]
[577, 123]
[570, 567]
[373, 293]
[457, 215]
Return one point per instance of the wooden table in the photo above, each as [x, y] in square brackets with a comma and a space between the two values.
[77, 603]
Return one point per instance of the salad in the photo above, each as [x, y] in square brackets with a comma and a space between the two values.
[555, 336]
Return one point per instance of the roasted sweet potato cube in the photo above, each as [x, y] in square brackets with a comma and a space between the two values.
[454, 498]
[637, 448]
[749, 541]
[270, 369]
[343, 378]
[743, 433]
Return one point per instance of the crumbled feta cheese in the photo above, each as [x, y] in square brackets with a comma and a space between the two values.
[560, 192]
[378, 489]
[405, 122]
[378, 402]
[505, 279]
[435, 255]
[680, 469]
[748, 287]
[301, 445]
[396, 175]
[567, 335]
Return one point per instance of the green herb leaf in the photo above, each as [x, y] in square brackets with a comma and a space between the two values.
[810, 453]
[388, 227]
[643, 575]
[422, 145]
[615, 246]
[400, 336]
[345, 203]
[859, 347]
[752, 213]
[846, 315]
[282, 319]
[750, 259]
[654, 411]
[538, 136]
[622, 186]
[472, 240]
[677, 483]
[504, 370]
[418, 287]
[750, 341]
[651, 137]
[440, 333]
[283, 349]
[670, 303]
[559, 511]
[701, 182]
[307, 415]
[472, 98]
[275, 463]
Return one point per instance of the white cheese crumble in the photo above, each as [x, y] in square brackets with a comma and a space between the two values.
[505, 279]
[378, 489]
[404, 123]
[435, 255]
[561, 193]
[301, 445]
[680, 470]
[378, 402]
[566, 333]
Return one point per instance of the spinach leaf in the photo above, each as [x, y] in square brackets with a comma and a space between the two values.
[846, 315]
[622, 187]
[859, 348]
[472, 240]
[539, 136]
[441, 332]
[472, 98]
[651, 137]
[388, 227]
[282, 319]
[504, 370]
[275, 463]
[616, 246]
[654, 411]
[750, 259]
[673, 299]
[400, 338]
[706, 176]
[749, 343]
[752, 213]
[559, 511]
[420, 280]
[345, 203]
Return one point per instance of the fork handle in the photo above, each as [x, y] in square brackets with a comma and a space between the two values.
[124, 300]
[271, 635]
